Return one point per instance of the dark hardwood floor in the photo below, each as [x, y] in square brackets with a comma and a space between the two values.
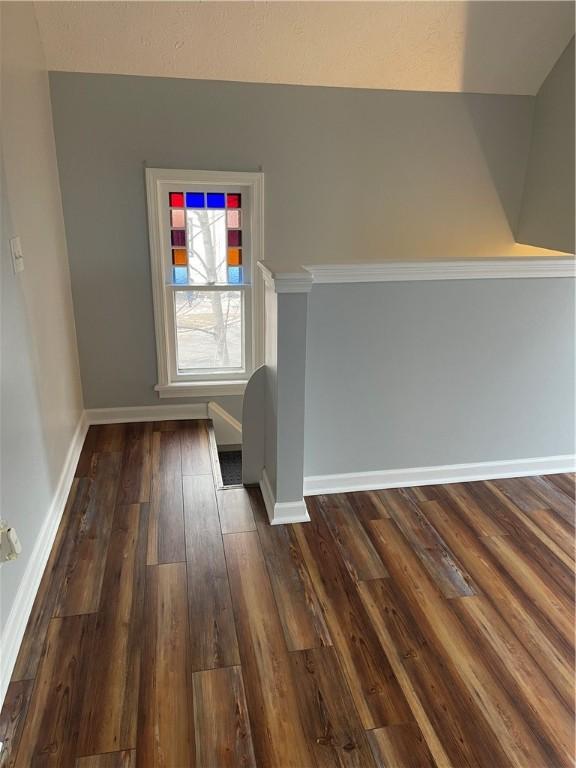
[429, 626]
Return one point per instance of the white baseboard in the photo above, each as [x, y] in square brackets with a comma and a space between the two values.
[146, 413]
[228, 430]
[283, 512]
[449, 473]
[24, 599]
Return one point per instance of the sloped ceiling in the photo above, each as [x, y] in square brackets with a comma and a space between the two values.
[481, 47]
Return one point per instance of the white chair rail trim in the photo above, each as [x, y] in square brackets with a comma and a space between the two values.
[472, 269]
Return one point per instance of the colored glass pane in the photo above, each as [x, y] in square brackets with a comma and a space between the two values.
[195, 200]
[180, 275]
[178, 237]
[234, 257]
[179, 257]
[233, 219]
[235, 275]
[177, 219]
[215, 199]
[177, 199]
[234, 200]
[234, 237]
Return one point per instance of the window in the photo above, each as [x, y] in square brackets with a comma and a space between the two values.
[205, 240]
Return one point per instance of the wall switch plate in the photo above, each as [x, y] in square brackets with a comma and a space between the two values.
[17, 255]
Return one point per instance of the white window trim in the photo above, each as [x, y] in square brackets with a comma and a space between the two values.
[166, 387]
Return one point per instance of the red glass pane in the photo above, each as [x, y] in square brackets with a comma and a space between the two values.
[176, 199]
[233, 201]
[234, 237]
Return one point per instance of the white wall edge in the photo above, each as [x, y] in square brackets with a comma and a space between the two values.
[216, 411]
[146, 413]
[450, 473]
[13, 633]
[401, 271]
[282, 513]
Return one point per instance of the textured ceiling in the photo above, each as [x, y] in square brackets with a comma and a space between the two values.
[481, 47]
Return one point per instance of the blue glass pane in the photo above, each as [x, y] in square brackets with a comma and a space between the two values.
[235, 275]
[180, 275]
[216, 200]
[195, 199]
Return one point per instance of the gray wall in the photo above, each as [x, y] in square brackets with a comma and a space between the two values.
[41, 401]
[350, 175]
[547, 217]
[430, 373]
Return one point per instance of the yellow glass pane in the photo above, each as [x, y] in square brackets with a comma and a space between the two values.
[234, 257]
[179, 257]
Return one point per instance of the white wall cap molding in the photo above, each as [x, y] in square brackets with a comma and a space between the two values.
[469, 269]
[286, 282]
[437, 475]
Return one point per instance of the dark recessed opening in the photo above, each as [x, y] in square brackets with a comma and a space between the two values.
[231, 467]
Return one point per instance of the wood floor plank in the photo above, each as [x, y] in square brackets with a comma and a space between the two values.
[330, 720]
[83, 468]
[136, 477]
[276, 729]
[366, 505]
[167, 425]
[82, 584]
[47, 596]
[537, 586]
[356, 549]
[443, 567]
[212, 631]
[456, 732]
[12, 719]
[512, 733]
[155, 488]
[110, 438]
[195, 449]
[235, 510]
[400, 746]
[124, 759]
[522, 677]
[167, 507]
[531, 493]
[551, 569]
[537, 636]
[222, 725]
[557, 530]
[529, 525]
[53, 721]
[298, 606]
[375, 690]
[166, 713]
[565, 482]
[461, 499]
[114, 672]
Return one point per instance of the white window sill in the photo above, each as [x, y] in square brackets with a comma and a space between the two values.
[201, 388]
